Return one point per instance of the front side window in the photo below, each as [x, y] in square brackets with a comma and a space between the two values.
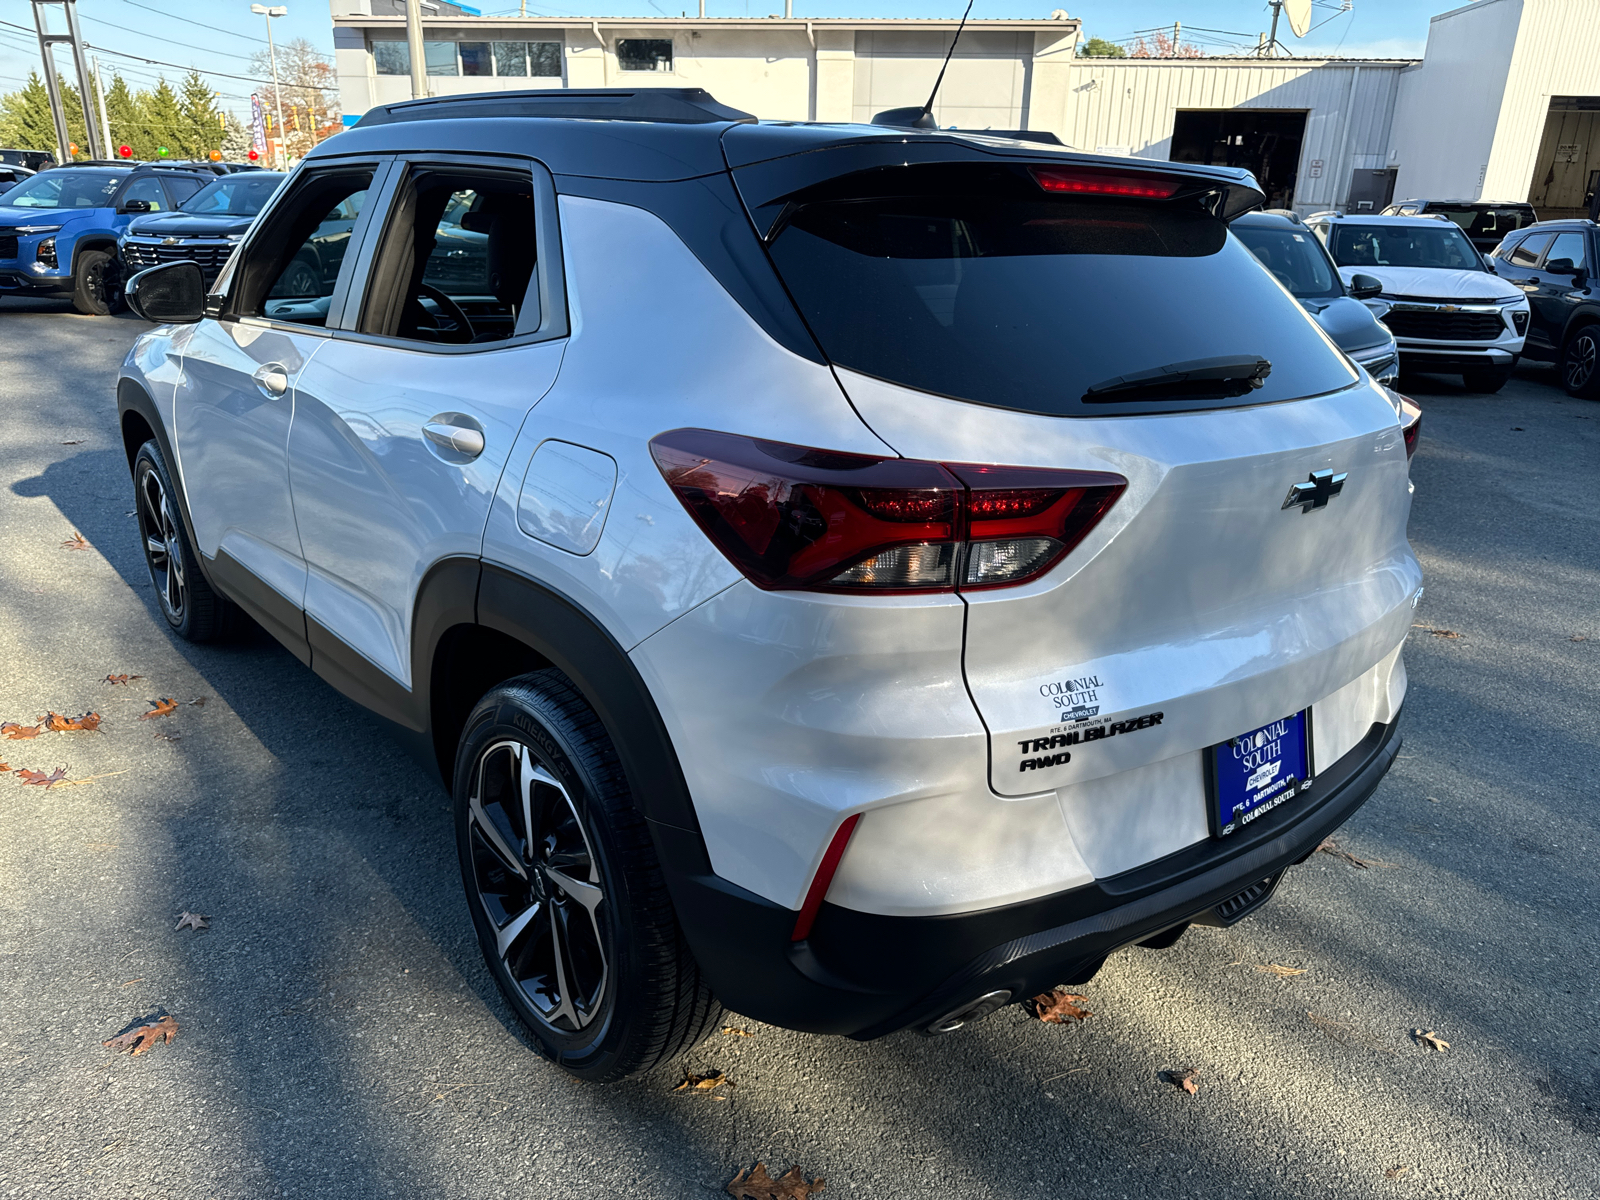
[644, 54]
[1294, 259]
[292, 268]
[1528, 250]
[976, 283]
[1438, 244]
[66, 189]
[456, 258]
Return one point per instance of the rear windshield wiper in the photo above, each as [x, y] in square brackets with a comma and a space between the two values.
[1197, 379]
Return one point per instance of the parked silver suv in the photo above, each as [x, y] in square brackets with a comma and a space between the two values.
[861, 576]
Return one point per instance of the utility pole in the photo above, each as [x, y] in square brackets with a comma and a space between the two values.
[75, 39]
[105, 121]
[1177, 32]
[277, 10]
[419, 69]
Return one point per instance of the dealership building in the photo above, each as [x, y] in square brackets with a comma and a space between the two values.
[1501, 107]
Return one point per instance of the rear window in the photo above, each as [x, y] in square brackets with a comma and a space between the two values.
[973, 282]
[1486, 223]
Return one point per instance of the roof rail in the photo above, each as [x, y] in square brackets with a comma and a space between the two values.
[680, 106]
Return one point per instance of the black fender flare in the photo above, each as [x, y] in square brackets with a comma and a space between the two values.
[93, 241]
[1589, 314]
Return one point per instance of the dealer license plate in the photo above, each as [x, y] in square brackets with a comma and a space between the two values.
[1252, 774]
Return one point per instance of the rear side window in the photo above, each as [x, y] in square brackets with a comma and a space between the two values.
[1568, 246]
[973, 282]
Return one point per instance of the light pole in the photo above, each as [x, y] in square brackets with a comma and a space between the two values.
[277, 10]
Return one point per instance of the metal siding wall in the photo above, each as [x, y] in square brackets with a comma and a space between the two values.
[1557, 52]
[1133, 104]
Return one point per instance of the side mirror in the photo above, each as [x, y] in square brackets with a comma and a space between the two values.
[1365, 287]
[136, 206]
[174, 292]
[1560, 266]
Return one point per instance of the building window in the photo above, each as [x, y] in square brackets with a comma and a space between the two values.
[644, 54]
[393, 58]
[545, 59]
[475, 59]
[527, 58]
[440, 58]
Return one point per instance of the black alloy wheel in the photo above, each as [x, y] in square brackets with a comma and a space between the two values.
[564, 888]
[195, 612]
[96, 284]
[1580, 364]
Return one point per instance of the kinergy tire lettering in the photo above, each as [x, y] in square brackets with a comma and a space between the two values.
[1074, 737]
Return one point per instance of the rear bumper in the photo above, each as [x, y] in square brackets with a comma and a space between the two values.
[865, 975]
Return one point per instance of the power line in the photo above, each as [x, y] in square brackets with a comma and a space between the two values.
[187, 21]
[155, 37]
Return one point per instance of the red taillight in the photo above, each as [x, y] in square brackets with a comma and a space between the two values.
[821, 881]
[1087, 181]
[1410, 423]
[790, 517]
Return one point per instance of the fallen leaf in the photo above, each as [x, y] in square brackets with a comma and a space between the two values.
[5, 766]
[735, 1031]
[144, 1033]
[92, 778]
[1444, 633]
[1329, 846]
[167, 737]
[78, 442]
[1395, 1172]
[40, 779]
[201, 702]
[701, 1083]
[75, 542]
[1581, 638]
[1277, 969]
[18, 732]
[87, 723]
[1184, 1081]
[758, 1185]
[113, 679]
[160, 708]
[193, 920]
[1060, 1006]
[1430, 1040]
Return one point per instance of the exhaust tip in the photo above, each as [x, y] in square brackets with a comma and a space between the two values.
[970, 1012]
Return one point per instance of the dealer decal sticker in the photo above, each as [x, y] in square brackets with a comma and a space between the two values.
[1074, 699]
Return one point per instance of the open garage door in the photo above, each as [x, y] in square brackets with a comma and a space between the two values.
[1265, 142]
[1565, 174]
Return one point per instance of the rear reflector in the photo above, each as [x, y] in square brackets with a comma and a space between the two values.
[1410, 423]
[790, 517]
[1086, 181]
[821, 881]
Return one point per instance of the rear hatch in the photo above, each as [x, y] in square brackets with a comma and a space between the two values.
[995, 304]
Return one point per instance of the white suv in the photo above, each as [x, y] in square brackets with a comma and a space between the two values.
[856, 575]
[1448, 310]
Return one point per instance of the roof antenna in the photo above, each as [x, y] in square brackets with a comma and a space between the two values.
[913, 116]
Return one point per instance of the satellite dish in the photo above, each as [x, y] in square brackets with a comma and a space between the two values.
[1299, 14]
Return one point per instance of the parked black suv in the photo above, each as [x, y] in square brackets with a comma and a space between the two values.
[205, 228]
[1485, 223]
[1554, 262]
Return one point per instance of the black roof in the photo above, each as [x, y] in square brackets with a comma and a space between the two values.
[665, 134]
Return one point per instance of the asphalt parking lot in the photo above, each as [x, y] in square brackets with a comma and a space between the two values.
[340, 1038]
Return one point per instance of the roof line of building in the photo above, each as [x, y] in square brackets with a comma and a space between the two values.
[1043, 23]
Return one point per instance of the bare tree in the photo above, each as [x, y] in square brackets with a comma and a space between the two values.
[310, 94]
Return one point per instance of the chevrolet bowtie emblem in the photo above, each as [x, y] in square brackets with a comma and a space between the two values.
[171, 241]
[1316, 491]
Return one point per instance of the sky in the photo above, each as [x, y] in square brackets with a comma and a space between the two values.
[219, 36]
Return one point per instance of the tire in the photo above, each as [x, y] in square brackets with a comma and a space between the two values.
[1580, 363]
[96, 284]
[301, 279]
[607, 987]
[195, 612]
[1486, 380]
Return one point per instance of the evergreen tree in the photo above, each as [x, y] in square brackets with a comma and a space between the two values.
[202, 121]
[26, 123]
[1100, 48]
[127, 123]
[237, 142]
[163, 120]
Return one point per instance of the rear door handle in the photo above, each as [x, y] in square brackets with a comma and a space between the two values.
[272, 379]
[463, 439]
